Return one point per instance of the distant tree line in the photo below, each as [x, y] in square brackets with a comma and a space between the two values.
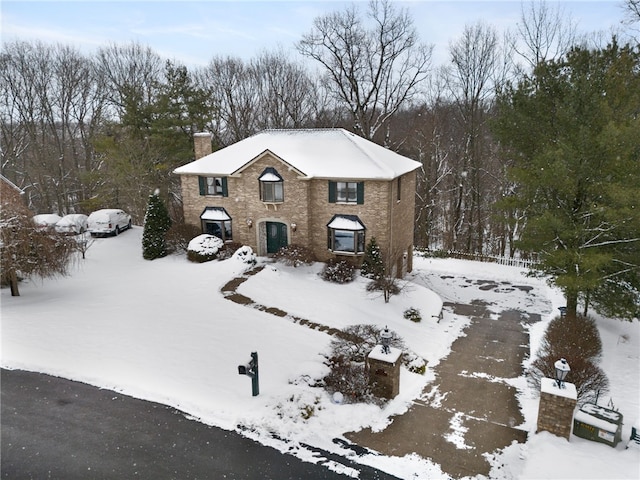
[82, 132]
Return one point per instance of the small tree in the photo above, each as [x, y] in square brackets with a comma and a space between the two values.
[576, 339]
[156, 225]
[372, 264]
[27, 251]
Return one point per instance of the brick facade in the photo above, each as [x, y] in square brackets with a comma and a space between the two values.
[386, 215]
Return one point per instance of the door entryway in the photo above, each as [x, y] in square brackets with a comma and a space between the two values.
[276, 236]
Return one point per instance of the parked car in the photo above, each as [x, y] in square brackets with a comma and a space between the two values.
[46, 221]
[73, 224]
[108, 221]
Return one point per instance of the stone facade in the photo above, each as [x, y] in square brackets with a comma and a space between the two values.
[387, 211]
[555, 411]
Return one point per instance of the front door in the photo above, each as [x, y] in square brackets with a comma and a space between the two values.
[276, 236]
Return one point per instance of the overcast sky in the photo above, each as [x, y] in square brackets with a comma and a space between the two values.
[192, 32]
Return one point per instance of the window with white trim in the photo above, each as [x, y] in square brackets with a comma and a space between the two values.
[271, 186]
[213, 186]
[346, 234]
[216, 221]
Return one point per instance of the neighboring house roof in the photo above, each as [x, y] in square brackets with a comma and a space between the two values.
[11, 184]
[314, 153]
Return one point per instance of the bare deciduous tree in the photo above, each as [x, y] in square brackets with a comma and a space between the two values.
[546, 33]
[373, 69]
[476, 67]
[52, 107]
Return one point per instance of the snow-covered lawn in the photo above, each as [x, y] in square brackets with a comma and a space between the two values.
[161, 330]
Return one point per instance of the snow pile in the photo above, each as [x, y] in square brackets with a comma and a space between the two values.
[205, 245]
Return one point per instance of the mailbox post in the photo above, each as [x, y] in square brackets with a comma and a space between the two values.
[251, 370]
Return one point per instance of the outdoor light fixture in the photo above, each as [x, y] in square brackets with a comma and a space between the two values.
[294, 227]
[563, 311]
[562, 368]
[249, 222]
[385, 338]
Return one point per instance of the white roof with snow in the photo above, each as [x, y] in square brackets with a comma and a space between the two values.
[314, 153]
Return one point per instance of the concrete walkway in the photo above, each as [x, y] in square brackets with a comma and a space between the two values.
[469, 410]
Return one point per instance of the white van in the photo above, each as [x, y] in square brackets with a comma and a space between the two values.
[108, 221]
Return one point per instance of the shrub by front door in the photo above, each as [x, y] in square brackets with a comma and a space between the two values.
[276, 236]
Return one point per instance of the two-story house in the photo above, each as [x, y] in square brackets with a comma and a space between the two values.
[327, 189]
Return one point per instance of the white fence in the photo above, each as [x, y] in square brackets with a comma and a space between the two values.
[511, 261]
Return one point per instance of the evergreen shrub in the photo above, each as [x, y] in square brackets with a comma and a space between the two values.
[413, 314]
[156, 224]
[338, 271]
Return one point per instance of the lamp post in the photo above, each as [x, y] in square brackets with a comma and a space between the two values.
[562, 368]
[385, 337]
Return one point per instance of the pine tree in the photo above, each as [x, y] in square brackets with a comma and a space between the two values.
[156, 225]
[573, 131]
[372, 264]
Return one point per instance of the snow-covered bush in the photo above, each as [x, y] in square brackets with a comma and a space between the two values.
[413, 314]
[338, 271]
[245, 255]
[204, 248]
[295, 255]
[346, 362]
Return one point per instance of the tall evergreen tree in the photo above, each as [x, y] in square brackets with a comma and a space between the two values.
[156, 225]
[573, 129]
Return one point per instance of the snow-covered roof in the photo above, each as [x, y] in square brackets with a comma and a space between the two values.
[346, 222]
[314, 153]
[11, 184]
[215, 213]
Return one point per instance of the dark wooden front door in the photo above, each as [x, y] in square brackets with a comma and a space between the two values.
[276, 236]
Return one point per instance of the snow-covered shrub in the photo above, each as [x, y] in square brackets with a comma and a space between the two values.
[338, 271]
[350, 379]
[204, 248]
[414, 363]
[245, 255]
[413, 314]
[356, 341]
[295, 255]
[346, 362]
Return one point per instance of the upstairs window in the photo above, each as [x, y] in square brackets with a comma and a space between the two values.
[345, 234]
[346, 192]
[271, 186]
[213, 186]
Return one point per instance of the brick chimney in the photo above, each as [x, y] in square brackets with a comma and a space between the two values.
[202, 144]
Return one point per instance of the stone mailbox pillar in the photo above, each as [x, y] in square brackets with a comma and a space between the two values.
[555, 411]
[383, 368]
